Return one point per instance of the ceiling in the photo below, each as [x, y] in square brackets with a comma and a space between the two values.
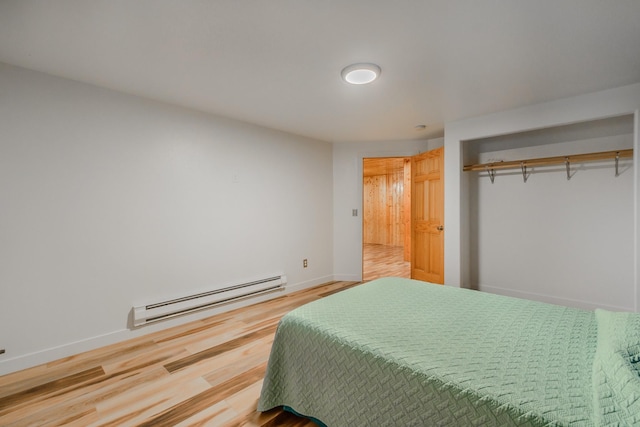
[277, 63]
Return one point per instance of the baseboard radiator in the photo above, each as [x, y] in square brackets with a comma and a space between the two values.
[145, 314]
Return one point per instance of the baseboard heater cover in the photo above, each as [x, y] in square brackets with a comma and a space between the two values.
[145, 314]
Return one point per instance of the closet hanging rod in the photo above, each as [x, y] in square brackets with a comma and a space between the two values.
[544, 161]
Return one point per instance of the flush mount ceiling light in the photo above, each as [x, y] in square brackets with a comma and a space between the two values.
[360, 74]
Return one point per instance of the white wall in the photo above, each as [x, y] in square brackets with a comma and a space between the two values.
[459, 198]
[347, 195]
[109, 200]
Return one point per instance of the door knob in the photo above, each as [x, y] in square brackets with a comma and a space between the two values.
[440, 228]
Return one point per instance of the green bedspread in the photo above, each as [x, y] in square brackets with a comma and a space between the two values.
[399, 352]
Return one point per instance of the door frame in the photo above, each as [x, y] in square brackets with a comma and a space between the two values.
[406, 222]
[358, 200]
[361, 155]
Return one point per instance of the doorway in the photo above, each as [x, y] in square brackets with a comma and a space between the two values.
[386, 234]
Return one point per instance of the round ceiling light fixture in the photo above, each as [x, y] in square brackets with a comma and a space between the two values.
[360, 74]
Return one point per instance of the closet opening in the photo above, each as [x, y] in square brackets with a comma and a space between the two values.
[551, 213]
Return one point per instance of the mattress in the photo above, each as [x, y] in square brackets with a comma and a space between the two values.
[399, 352]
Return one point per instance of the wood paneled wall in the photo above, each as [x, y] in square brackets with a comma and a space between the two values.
[385, 215]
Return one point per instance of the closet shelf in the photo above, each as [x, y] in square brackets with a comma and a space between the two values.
[544, 161]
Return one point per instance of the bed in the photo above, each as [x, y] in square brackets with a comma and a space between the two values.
[400, 352]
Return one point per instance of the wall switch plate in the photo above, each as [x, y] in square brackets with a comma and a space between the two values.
[354, 212]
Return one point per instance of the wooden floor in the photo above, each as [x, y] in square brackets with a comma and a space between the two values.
[384, 261]
[205, 373]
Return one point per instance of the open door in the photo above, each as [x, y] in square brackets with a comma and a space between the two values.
[427, 216]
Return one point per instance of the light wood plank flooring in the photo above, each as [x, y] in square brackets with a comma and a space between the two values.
[205, 373]
[384, 261]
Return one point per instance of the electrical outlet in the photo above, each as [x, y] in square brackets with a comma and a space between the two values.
[305, 264]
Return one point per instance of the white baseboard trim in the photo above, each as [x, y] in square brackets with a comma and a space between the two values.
[551, 299]
[308, 284]
[30, 360]
[348, 277]
[24, 361]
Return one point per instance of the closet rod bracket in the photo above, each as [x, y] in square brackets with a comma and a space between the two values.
[492, 173]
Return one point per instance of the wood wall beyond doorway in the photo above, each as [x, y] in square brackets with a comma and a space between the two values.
[386, 202]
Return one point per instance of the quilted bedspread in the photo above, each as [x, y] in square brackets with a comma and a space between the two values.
[399, 352]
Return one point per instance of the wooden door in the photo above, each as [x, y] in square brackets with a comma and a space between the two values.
[427, 216]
